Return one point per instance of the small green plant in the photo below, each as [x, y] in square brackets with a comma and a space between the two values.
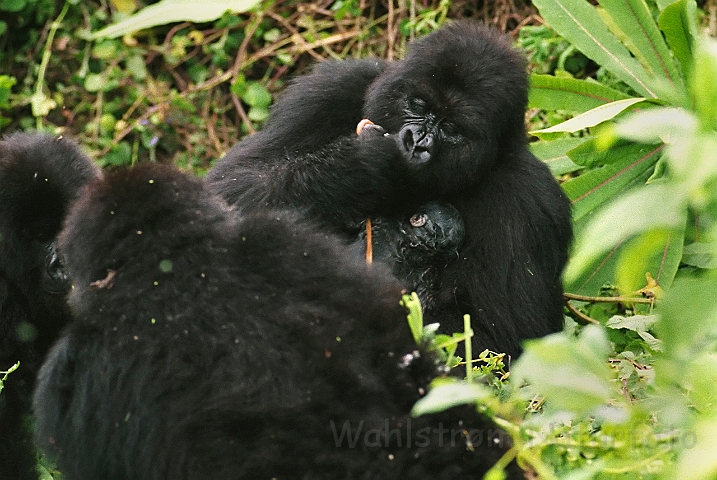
[6, 373]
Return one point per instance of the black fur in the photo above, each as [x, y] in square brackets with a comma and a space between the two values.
[210, 347]
[40, 176]
[450, 127]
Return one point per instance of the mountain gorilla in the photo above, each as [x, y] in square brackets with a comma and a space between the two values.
[448, 125]
[40, 175]
[206, 346]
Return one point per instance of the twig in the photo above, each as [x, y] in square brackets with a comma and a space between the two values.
[581, 315]
[585, 298]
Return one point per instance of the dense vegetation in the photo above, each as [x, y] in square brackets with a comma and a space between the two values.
[623, 110]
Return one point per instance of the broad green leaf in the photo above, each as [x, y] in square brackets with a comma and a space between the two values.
[678, 21]
[639, 32]
[700, 255]
[699, 461]
[688, 316]
[703, 83]
[564, 93]
[658, 125]
[616, 267]
[170, 11]
[657, 252]
[572, 374]
[447, 394]
[596, 187]
[579, 23]
[636, 323]
[592, 117]
[591, 153]
[553, 153]
[655, 206]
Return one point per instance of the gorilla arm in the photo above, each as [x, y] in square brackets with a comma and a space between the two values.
[308, 156]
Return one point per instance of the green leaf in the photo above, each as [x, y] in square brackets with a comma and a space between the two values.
[446, 394]
[688, 317]
[651, 207]
[703, 83]
[553, 153]
[592, 153]
[94, 82]
[170, 11]
[12, 5]
[678, 21]
[579, 23]
[6, 84]
[572, 374]
[415, 315]
[596, 187]
[699, 462]
[256, 95]
[592, 117]
[564, 93]
[700, 255]
[636, 323]
[640, 33]
[657, 252]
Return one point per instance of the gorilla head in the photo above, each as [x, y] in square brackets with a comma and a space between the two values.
[455, 103]
[417, 246]
[39, 176]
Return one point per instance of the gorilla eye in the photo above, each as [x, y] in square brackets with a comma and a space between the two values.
[448, 128]
[419, 219]
[417, 106]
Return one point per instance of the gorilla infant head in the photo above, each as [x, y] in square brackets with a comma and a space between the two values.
[456, 104]
[417, 247]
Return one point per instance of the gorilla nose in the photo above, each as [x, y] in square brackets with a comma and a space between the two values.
[416, 144]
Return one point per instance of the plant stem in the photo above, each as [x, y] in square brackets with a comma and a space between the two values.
[47, 51]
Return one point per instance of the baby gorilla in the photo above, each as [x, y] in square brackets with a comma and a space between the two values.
[40, 175]
[418, 247]
[205, 346]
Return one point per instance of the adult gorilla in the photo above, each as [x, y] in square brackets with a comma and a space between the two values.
[40, 175]
[448, 125]
[209, 347]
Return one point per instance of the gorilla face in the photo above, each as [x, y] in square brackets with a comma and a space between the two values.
[417, 247]
[433, 233]
[449, 112]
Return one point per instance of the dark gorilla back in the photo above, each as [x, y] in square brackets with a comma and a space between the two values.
[40, 175]
[210, 347]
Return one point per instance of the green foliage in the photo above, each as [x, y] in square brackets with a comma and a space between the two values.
[633, 396]
[549, 53]
[171, 11]
[648, 50]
